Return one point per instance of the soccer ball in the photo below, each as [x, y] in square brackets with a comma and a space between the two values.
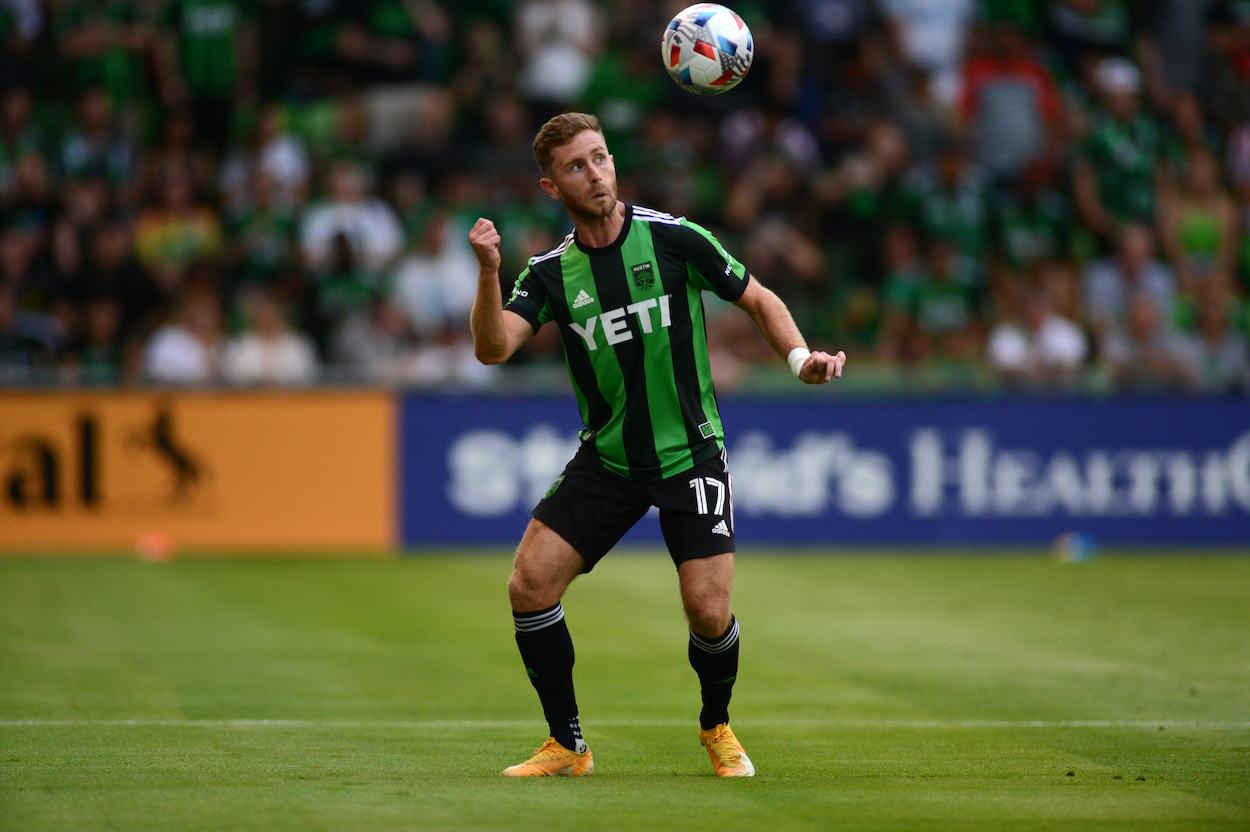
[707, 49]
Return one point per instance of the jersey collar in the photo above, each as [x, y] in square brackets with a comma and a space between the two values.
[616, 244]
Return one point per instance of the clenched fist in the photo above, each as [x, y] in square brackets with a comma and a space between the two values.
[485, 241]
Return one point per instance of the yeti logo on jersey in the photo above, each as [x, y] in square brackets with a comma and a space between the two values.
[613, 326]
[644, 276]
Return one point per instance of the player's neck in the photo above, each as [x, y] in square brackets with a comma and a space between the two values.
[600, 233]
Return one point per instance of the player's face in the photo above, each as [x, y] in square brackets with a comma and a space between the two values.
[583, 176]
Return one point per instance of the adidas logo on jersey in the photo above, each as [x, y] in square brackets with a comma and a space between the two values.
[582, 299]
[721, 528]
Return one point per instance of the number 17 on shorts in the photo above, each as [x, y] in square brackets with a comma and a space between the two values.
[710, 497]
[705, 487]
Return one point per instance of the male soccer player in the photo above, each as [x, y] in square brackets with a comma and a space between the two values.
[624, 289]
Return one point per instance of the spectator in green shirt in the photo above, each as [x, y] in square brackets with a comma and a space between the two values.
[1033, 222]
[106, 43]
[950, 198]
[946, 305]
[933, 308]
[1118, 171]
[210, 59]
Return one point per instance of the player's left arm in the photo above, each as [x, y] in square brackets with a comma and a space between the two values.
[778, 328]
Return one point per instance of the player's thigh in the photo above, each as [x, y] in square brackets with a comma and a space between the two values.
[706, 593]
[591, 508]
[545, 565]
[696, 511]
[696, 517]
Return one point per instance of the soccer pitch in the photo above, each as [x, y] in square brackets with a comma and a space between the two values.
[877, 692]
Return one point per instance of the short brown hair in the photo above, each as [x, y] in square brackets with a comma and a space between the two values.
[560, 131]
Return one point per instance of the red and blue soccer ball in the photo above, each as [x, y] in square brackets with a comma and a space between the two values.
[707, 49]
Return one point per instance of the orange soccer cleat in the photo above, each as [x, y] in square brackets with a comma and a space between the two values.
[726, 752]
[553, 760]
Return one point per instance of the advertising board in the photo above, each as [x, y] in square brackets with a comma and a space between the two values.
[220, 470]
[817, 470]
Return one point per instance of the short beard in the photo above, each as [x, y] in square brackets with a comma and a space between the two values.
[584, 211]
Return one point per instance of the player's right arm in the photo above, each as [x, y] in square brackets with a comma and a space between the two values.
[497, 332]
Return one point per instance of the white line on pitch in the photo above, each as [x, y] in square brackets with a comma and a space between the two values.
[438, 724]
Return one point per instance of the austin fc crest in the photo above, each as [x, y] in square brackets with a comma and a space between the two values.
[644, 276]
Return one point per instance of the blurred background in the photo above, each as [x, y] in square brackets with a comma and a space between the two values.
[1032, 203]
[965, 194]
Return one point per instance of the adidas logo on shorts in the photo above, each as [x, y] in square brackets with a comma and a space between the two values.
[582, 299]
[721, 528]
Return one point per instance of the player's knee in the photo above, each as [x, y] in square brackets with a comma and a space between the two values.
[528, 593]
[709, 617]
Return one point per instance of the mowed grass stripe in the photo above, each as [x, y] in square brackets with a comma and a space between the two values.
[452, 724]
[917, 692]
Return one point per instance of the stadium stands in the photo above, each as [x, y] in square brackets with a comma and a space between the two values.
[1049, 195]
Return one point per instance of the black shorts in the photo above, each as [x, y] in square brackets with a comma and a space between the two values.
[592, 508]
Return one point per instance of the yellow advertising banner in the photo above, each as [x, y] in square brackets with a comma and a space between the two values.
[239, 470]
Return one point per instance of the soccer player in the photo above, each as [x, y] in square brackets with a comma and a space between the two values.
[624, 289]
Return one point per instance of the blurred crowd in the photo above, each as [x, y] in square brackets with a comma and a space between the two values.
[1054, 194]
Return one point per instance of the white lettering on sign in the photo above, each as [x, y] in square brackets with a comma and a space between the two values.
[979, 479]
[944, 474]
[818, 472]
[493, 474]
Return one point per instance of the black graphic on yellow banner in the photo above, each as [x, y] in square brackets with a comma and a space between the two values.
[210, 470]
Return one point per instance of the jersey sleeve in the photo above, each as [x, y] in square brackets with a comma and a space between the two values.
[713, 268]
[529, 300]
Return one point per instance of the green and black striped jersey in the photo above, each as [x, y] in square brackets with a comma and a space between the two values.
[631, 319]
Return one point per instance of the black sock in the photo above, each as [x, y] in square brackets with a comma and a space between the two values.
[716, 662]
[547, 650]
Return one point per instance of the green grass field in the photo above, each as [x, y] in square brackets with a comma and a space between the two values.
[909, 692]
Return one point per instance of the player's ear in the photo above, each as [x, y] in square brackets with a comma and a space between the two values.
[550, 187]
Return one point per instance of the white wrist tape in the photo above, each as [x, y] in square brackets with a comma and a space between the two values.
[796, 358]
